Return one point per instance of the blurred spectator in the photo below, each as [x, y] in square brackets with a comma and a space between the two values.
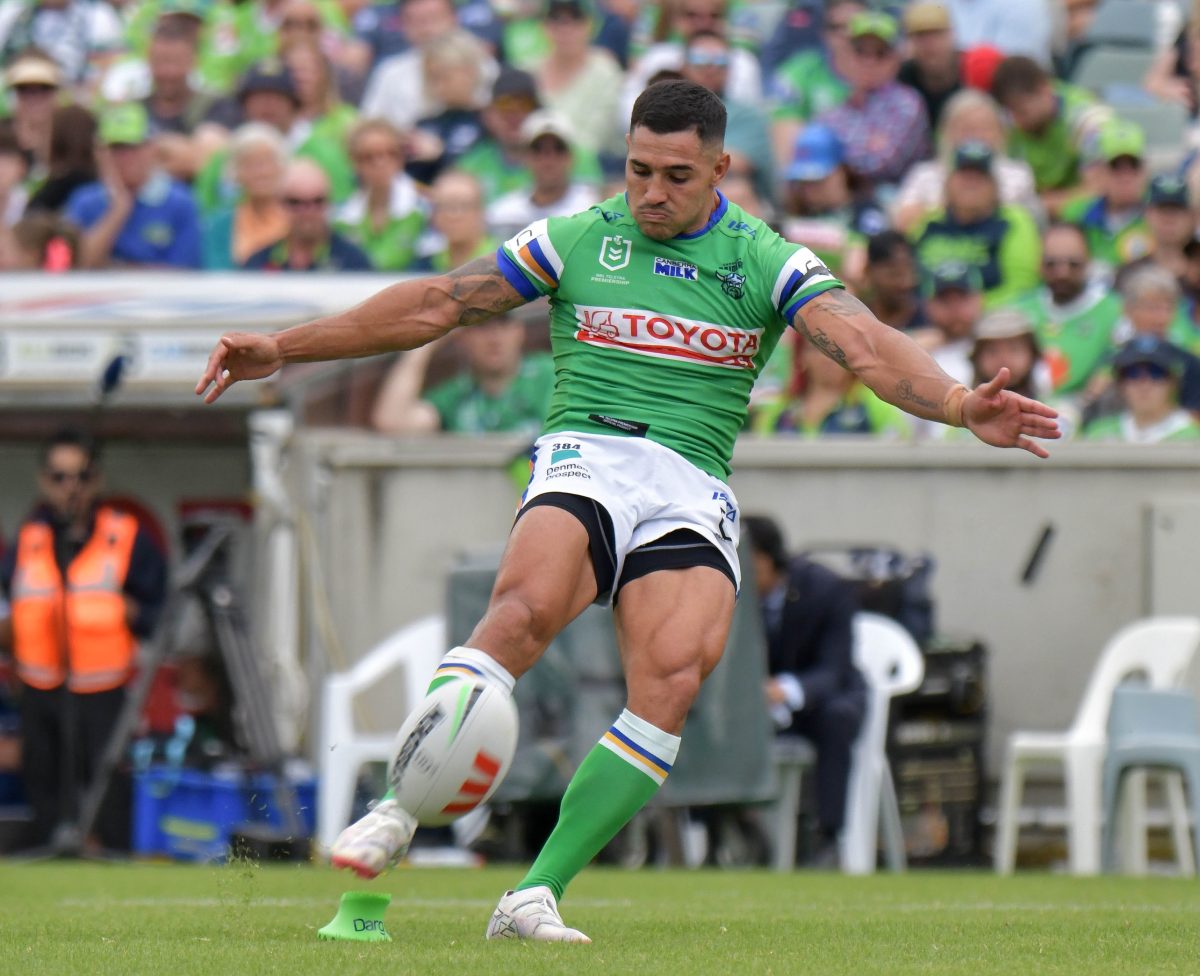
[970, 116]
[14, 169]
[311, 243]
[934, 67]
[257, 159]
[305, 23]
[819, 210]
[396, 89]
[882, 125]
[498, 160]
[453, 67]
[1005, 339]
[501, 389]
[72, 160]
[35, 82]
[834, 403]
[549, 142]
[457, 219]
[747, 136]
[814, 689]
[268, 94]
[1148, 375]
[1113, 219]
[1016, 27]
[581, 81]
[319, 106]
[682, 19]
[998, 239]
[172, 104]
[1052, 123]
[1073, 310]
[890, 287]
[39, 242]
[73, 684]
[953, 306]
[1077, 19]
[135, 214]
[1152, 306]
[386, 215]
[1173, 75]
[77, 34]
[1171, 223]
[797, 30]
[812, 81]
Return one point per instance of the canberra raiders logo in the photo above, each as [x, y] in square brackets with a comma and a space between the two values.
[733, 282]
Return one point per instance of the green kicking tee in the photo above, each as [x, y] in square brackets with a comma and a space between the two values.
[661, 339]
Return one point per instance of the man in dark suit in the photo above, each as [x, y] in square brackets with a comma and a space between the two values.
[814, 689]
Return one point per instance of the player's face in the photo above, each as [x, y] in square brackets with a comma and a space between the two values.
[670, 179]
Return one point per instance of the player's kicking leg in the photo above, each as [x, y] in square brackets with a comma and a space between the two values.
[545, 580]
[672, 628]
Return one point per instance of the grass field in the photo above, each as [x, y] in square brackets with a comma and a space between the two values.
[73, 919]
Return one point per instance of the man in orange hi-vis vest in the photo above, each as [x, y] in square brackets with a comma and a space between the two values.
[83, 583]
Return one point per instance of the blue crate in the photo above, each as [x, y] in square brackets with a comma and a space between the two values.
[189, 815]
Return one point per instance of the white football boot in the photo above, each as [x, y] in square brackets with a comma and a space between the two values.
[371, 845]
[531, 914]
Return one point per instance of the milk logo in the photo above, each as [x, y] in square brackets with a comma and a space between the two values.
[615, 252]
[670, 268]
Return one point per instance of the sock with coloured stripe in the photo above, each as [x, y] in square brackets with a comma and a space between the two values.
[614, 781]
[467, 662]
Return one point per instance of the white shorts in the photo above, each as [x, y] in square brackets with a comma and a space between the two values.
[647, 490]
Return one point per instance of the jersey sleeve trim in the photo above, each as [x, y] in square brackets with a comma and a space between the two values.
[801, 277]
[513, 274]
[533, 253]
[808, 296]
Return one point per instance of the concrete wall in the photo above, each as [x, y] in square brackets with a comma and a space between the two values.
[389, 518]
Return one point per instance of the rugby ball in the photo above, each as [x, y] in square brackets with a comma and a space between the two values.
[453, 751]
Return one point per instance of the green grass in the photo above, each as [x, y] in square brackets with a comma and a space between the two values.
[73, 919]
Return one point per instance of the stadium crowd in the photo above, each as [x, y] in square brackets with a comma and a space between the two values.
[945, 159]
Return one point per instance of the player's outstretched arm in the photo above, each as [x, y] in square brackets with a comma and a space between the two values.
[903, 373]
[402, 316]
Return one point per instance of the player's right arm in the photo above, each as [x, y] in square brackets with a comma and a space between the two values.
[405, 315]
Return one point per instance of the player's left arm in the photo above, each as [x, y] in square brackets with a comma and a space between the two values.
[904, 374]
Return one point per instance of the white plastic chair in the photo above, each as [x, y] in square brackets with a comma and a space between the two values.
[1160, 648]
[892, 664]
[418, 649]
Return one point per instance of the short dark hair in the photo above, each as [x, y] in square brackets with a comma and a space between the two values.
[1072, 227]
[766, 537]
[676, 106]
[72, 437]
[1017, 75]
[886, 244]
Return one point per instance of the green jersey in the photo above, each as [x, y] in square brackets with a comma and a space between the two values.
[661, 339]
[1076, 339]
[1055, 155]
[804, 86]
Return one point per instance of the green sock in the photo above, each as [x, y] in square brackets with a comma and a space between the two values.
[614, 781]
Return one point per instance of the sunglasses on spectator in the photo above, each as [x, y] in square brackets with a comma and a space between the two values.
[1145, 371]
[708, 59]
[1125, 162]
[549, 146]
[57, 476]
[34, 89]
[308, 24]
[1074, 264]
[872, 52]
[371, 155]
[297, 203]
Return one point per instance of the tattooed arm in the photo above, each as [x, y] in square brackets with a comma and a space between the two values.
[903, 373]
[405, 315]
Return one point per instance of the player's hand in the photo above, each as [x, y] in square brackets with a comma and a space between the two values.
[1003, 418]
[238, 356]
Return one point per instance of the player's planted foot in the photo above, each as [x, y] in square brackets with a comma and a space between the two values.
[371, 845]
[531, 914]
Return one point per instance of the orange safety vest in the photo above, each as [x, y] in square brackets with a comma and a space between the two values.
[80, 637]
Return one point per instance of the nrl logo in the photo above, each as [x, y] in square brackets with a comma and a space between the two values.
[733, 282]
[615, 252]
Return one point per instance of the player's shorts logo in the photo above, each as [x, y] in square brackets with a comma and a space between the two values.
[615, 252]
[733, 281]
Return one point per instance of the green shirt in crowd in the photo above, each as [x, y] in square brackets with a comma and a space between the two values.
[1076, 339]
[1055, 154]
[804, 86]
[465, 409]
[497, 175]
